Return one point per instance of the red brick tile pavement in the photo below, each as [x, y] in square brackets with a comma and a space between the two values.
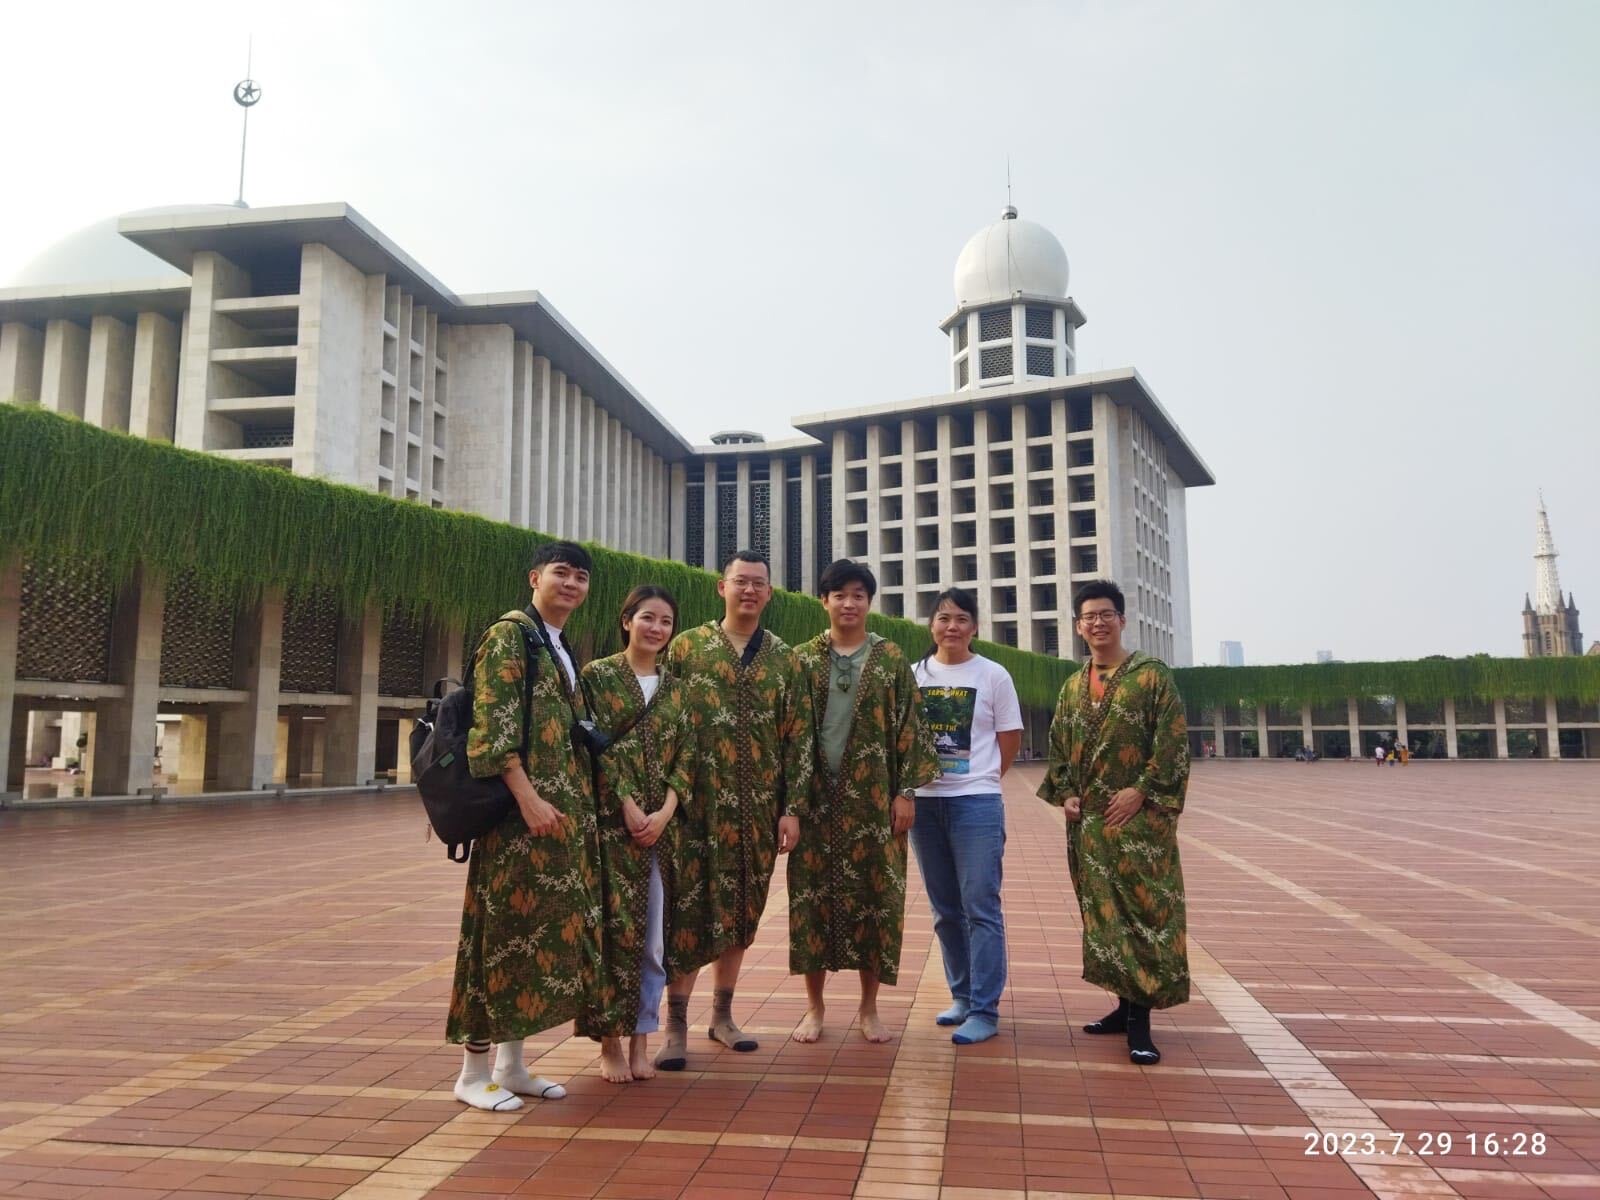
[246, 1000]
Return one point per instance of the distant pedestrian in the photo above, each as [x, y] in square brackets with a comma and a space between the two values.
[1379, 754]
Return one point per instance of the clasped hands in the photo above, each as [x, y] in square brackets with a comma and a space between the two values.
[1119, 812]
[647, 828]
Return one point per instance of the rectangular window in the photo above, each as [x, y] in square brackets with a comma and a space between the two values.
[1042, 360]
[962, 378]
[996, 363]
[994, 324]
[1041, 323]
[960, 334]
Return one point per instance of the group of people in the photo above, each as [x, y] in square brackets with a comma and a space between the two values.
[655, 790]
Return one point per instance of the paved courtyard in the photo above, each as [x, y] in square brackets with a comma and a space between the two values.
[247, 999]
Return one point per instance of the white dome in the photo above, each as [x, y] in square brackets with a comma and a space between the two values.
[1010, 257]
[99, 254]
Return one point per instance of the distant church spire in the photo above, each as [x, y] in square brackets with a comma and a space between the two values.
[1547, 584]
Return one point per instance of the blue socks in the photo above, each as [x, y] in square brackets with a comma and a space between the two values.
[953, 1015]
[974, 1029]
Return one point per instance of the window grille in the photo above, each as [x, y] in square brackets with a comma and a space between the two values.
[793, 556]
[960, 334]
[824, 522]
[400, 656]
[1041, 360]
[694, 542]
[64, 627]
[269, 437]
[962, 377]
[727, 519]
[994, 324]
[197, 632]
[761, 518]
[310, 643]
[996, 363]
[1041, 323]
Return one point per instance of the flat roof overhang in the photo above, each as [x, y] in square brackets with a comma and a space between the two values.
[75, 301]
[1123, 385]
[243, 235]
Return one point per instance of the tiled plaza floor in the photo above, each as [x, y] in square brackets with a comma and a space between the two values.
[247, 999]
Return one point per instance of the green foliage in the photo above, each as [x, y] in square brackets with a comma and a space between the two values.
[67, 488]
[1428, 679]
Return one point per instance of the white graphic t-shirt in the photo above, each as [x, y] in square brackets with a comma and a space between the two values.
[966, 706]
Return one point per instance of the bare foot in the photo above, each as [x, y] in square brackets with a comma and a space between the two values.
[639, 1057]
[613, 1064]
[810, 1027]
[872, 1028]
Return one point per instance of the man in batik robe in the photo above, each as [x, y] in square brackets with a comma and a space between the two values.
[753, 772]
[847, 877]
[529, 947]
[1119, 765]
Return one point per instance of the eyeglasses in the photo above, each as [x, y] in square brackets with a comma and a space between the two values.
[1104, 617]
[748, 585]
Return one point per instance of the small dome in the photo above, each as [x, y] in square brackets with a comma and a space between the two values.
[1010, 257]
[99, 254]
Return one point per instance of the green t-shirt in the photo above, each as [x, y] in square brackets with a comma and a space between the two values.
[844, 676]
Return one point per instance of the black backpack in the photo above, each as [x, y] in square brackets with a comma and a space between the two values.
[461, 808]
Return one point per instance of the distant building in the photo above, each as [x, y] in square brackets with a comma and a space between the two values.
[1325, 656]
[1231, 654]
[1549, 626]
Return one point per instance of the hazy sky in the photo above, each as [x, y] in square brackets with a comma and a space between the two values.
[1354, 248]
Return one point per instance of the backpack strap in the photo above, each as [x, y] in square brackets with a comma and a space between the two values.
[530, 675]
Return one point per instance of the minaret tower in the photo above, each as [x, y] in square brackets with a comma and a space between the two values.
[1549, 625]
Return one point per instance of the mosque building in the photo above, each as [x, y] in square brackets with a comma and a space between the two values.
[302, 337]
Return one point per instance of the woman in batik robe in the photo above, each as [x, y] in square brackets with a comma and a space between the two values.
[529, 946]
[643, 775]
[847, 876]
[1119, 765]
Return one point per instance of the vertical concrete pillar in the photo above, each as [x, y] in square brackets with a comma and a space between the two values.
[13, 717]
[988, 594]
[1218, 733]
[841, 476]
[629, 467]
[1402, 731]
[741, 501]
[1353, 716]
[605, 498]
[556, 507]
[778, 514]
[247, 733]
[66, 367]
[192, 734]
[1305, 728]
[1502, 747]
[441, 654]
[283, 743]
[1552, 727]
[574, 474]
[710, 549]
[212, 278]
[1451, 748]
[539, 444]
[583, 476]
[808, 523]
[680, 522]
[108, 388]
[127, 726]
[1261, 732]
[521, 429]
[153, 394]
[402, 761]
[21, 362]
[352, 730]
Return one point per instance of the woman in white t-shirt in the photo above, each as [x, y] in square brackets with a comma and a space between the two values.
[960, 832]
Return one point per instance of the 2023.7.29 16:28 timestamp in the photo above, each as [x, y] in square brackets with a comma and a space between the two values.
[1517, 1144]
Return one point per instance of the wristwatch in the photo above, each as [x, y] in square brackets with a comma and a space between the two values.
[908, 793]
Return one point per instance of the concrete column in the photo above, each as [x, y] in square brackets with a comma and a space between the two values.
[21, 362]
[441, 653]
[607, 513]
[1353, 715]
[1261, 731]
[1305, 726]
[1401, 732]
[678, 546]
[192, 733]
[1218, 733]
[521, 430]
[874, 553]
[153, 398]
[584, 476]
[352, 730]
[402, 762]
[631, 494]
[1552, 726]
[1021, 523]
[540, 447]
[247, 733]
[573, 480]
[778, 509]
[710, 518]
[808, 523]
[556, 524]
[988, 593]
[841, 455]
[1451, 749]
[108, 389]
[212, 278]
[13, 731]
[66, 367]
[741, 502]
[127, 726]
[1502, 747]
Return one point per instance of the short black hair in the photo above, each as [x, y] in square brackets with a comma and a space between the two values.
[570, 553]
[1099, 589]
[748, 556]
[841, 572]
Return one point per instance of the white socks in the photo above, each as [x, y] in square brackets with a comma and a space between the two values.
[477, 1087]
[511, 1074]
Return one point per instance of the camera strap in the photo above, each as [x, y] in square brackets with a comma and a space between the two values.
[580, 684]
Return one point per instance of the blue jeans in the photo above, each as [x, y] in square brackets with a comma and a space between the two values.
[959, 842]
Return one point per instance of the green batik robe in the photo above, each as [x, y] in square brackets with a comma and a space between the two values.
[1130, 882]
[847, 877]
[754, 734]
[530, 948]
[656, 753]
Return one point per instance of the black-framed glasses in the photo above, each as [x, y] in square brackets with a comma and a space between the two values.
[1103, 617]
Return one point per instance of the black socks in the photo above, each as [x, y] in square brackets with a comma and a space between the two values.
[1115, 1021]
[1141, 1050]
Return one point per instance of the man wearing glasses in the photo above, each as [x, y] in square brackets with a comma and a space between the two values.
[1119, 766]
[753, 780]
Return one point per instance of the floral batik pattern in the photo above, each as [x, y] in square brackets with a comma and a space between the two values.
[655, 753]
[530, 948]
[1129, 882]
[753, 735]
[847, 877]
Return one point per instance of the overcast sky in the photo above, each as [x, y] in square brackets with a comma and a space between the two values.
[1354, 248]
